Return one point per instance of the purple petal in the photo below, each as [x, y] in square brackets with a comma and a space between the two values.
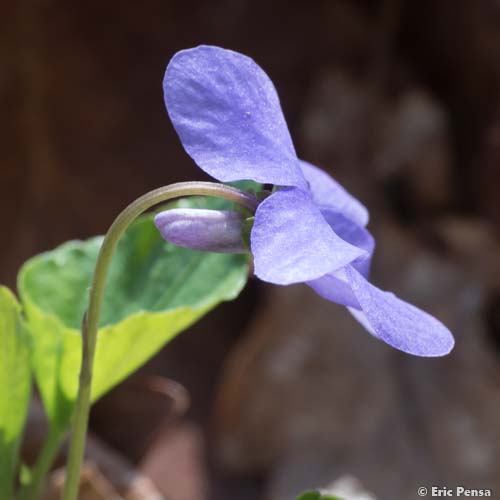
[209, 230]
[396, 322]
[330, 194]
[355, 235]
[228, 117]
[291, 241]
[361, 318]
[335, 286]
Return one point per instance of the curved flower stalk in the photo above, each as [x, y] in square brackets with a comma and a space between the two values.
[227, 114]
[92, 316]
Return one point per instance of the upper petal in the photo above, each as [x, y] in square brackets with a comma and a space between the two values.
[328, 193]
[228, 117]
[396, 322]
[291, 241]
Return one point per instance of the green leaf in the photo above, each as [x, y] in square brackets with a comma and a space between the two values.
[25, 475]
[154, 291]
[15, 387]
[310, 495]
[316, 495]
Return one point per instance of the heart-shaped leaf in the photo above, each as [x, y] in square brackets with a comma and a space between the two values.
[316, 495]
[15, 387]
[154, 291]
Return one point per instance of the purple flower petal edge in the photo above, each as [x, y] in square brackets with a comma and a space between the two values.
[396, 322]
[328, 193]
[227, 114]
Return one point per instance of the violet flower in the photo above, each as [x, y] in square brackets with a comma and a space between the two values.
[227, 114]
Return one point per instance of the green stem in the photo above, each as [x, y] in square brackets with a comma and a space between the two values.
[91, 321]
[43, 464]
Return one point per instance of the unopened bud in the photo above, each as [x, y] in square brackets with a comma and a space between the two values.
[200, 229]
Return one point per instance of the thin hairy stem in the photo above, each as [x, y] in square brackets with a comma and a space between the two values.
[91, 320]
[43, 464]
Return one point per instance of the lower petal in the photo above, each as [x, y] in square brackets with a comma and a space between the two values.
[396, 322]
[335, 287]
[354, 234]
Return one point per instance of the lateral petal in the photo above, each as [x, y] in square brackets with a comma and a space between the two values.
[328, 193]
[291, 241]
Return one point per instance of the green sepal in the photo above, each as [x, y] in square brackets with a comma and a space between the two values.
[247, 230]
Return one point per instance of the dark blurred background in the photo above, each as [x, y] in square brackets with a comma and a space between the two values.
[399, 100]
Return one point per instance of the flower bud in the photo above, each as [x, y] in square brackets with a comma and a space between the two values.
[209, 230]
